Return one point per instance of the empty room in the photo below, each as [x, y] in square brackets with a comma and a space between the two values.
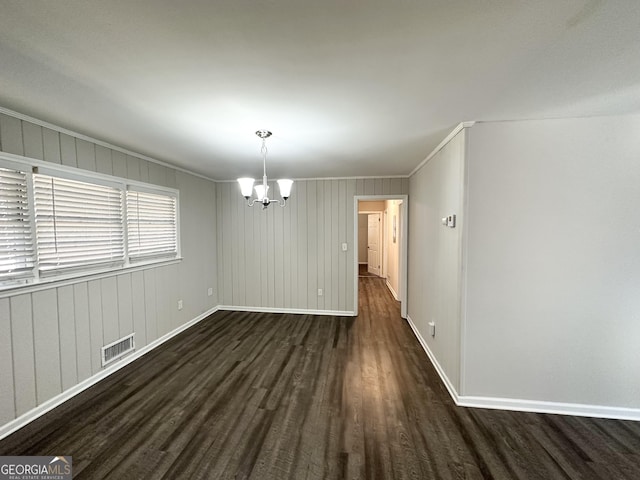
[329, 240]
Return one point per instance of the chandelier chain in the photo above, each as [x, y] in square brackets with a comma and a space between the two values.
[264, 150]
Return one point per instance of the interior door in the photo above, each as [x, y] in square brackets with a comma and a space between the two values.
[373, 244]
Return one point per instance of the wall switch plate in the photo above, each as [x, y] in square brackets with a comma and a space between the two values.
[210, 292]
[320, 292]
[179, 304]
[432, 329]
[451, 221]
[344, 247]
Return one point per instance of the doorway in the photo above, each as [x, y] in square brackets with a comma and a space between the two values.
[370, 243]
[380, 232]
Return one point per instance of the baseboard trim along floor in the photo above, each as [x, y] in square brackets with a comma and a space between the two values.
[518, 405]
[495, 403]
[302, 311]
[33, 414]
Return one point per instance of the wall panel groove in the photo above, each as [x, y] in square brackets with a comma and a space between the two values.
[282, 256]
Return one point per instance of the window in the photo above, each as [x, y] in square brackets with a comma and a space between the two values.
[151, 225]
[16, 238]
[58, 222]
[78, 224]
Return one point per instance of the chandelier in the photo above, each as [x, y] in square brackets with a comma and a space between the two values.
[262, 191]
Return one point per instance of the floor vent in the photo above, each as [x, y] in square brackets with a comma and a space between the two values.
[117, 349]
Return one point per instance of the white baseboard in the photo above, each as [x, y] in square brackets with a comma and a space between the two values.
[393, 292]
[303, 311]
[533, 406]
[495, 403]
[557, 408]
[434, 361]
[52, 403]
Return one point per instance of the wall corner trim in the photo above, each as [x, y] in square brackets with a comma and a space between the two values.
[33, 414]
[461, 126]
[434, 361]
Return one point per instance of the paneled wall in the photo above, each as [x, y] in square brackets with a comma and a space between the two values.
[435, 261]
[280, 257]
[50, 339]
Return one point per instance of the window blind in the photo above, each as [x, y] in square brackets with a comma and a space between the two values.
[151, 225]
[16, 240]
[78, 224]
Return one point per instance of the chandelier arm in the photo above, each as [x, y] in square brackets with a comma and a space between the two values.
[281, 202]
[254, 201]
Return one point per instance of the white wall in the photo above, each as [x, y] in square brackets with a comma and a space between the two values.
[363, 225]
[371, 205]
[392, 249]
[280, 257]
[363, 233]
[553, 282]
[50, 339]
[436, 190]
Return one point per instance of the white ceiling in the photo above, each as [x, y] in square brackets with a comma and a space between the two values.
[348, 88]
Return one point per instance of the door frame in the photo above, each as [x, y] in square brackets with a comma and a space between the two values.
[404, 251]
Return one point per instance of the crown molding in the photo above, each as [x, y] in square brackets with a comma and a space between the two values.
[51, 126]
[442, 144]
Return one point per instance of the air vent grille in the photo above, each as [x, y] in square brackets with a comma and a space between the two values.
[117, 349]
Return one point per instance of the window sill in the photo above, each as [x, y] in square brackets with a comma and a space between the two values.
[79, 277]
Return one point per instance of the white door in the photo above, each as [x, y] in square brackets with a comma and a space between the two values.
[373, 244]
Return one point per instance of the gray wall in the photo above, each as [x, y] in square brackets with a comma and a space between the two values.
[50, 339]
[535, 293]
[50, 336]
[553, 282]
[280, 257]
[434, 285]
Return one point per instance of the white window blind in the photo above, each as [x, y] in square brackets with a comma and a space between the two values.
[16, 240]
[78, 224]
[151, 225]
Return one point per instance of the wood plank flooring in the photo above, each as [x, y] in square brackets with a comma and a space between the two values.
[266, 396]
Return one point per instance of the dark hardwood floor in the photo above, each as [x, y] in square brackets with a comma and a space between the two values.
[266, 396]
[363, 271]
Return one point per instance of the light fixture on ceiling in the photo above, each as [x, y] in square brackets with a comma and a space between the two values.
[246, 184]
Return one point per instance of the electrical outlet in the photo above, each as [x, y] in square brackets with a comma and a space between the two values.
[344, 247]
[320, 292]
[179, 304]
[210, 292]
